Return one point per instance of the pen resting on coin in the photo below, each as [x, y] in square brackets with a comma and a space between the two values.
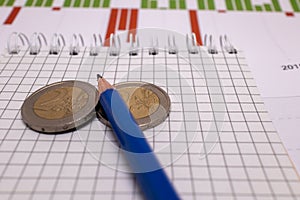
[142, 161]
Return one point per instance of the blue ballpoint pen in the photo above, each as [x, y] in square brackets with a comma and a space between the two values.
[149, 174]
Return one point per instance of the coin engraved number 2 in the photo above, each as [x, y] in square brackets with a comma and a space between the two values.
[290, 67]
[60, 103]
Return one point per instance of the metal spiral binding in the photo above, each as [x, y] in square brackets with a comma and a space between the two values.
[57, 42]
[114, 45]
[134, 46]
[36, 43]
[96, 44]
[172, 45]
[16, 40]
[209, 43]
[191, 44]
[153, 50]
[13, 46]
[75, 44]
[226, 45]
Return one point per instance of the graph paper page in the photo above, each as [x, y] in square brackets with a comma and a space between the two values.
[217, 143]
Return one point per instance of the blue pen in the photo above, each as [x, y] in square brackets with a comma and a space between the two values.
[149, 174]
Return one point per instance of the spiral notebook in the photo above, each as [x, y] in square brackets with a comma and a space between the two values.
[217, 143]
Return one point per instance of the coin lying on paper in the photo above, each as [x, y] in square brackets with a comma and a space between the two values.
[60, 106]
[148, 103]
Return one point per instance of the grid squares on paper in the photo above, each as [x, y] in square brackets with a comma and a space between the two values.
[217, 142]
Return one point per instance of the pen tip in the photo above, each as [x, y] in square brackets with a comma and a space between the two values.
[99, 76]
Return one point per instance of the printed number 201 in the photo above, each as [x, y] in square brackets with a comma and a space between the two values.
[290, 67]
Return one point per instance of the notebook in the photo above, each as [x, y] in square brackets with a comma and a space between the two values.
[217, 143]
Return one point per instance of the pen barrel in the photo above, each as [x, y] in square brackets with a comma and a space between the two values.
[149, 174]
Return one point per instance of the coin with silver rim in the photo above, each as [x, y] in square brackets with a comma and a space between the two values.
[60, 106]
[149, 104]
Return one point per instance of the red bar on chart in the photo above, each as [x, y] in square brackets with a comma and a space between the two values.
[12, 16]
[133, 24]
[111, 25]
[56, 8]
[289, 14]
[195, 26]
[123, 19]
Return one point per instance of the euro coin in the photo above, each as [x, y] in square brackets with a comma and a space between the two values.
[148, 103]
[60, 106]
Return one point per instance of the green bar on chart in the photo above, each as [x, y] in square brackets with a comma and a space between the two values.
[229, 5]
[48, 3]
[67, 3]
[239, 5]
[295, 5]
[144, 3]
[211, 5]
[248, 5]
[39, 3]
[172, 4]
[258, 8]
[201, 5]
[77, 3]
[276, 5]
[268, 7]
[182, 4]
[29, 3]
[106, 3]
[153, 4]
[10, 3]
[96, 4]
[86, 3]
[2, 2]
